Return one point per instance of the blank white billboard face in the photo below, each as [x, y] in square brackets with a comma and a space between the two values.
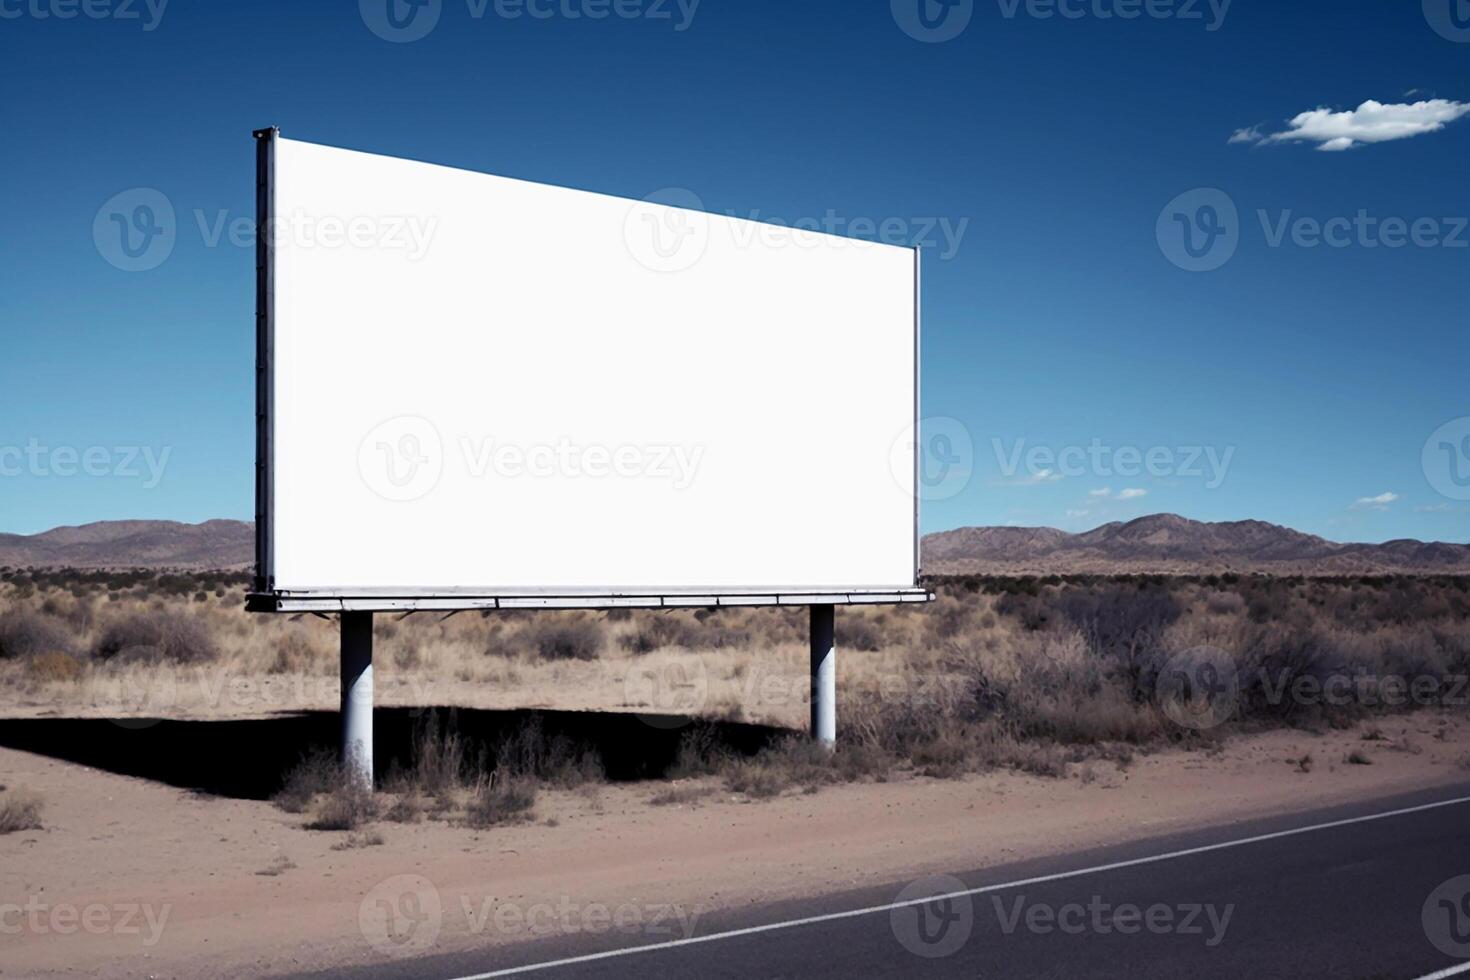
[490, 386]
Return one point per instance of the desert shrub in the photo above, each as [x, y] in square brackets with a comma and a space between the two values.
[798, 761]
[1120, 622]
[853, 632]
[441, 759]
[408, 808]
[565, 639]
[948, 617]
[1224, 603]
[700, 752]
[946, 756]
[316, 773]
[530, 753]
[54, 667]
[347, 805]
[19, 810]
[297, 652]
[501, 799]
[24, 633]
[679, 795]
[658, 630]
[156, 637]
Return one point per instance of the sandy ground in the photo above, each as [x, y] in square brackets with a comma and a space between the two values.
[130, 878]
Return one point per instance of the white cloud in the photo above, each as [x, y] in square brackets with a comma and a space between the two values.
[1031, 479]
[1371, 122]
[1101, 492]
[1132, 493]
[1379, 502]
[1074, 514]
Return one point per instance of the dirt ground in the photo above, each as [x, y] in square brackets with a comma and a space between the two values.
[132, 878]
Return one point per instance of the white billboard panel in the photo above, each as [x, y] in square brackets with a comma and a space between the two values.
[478, 386]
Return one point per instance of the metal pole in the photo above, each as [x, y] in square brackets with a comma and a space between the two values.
[357, 695]
[824, 677]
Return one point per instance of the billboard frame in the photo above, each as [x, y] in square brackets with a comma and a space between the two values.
[267, 598]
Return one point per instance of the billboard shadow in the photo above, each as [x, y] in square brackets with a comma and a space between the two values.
[248, 758]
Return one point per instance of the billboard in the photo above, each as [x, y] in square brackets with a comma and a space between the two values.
[480, 391]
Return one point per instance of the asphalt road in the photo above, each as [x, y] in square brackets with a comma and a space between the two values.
[1340, 893]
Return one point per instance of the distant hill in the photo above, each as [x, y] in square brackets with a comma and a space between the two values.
[1167, 543]
[1162, 543]
[137, 544]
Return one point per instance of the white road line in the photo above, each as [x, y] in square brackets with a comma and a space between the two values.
[1449, 971]
[1040, 879]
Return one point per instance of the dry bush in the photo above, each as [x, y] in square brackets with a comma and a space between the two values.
[580, 638]
[26, 633]
[156, 637]
[501, 799]
[298, 651]
[857, 632]
[798, 761]
[700, 753]
[441, 759]
[1224, 603]
[347, 805]
[658, 630]
[19, 810]
[54, 668]
[316, 773]
[680, 795]
[356, 841]
[556, 760]
[699, 630]
[408, 808]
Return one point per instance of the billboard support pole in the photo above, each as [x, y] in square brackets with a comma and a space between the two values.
[824, 676]
[357, 696]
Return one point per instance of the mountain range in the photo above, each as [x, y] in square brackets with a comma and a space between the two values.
[1160, 543]
[135, 544]
[1168, 543]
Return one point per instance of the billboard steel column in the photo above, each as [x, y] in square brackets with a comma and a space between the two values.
[357, 696]
[824, 676]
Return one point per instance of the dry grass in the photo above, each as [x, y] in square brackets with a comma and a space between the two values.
[313, 776]
[279, 865]
[499, 800]
[348, 805]
[1028, 674]
[356, 841]
[680, 795]
[19, 810]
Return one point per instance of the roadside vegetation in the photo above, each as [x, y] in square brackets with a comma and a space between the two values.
[19, 810]
[1050, 676]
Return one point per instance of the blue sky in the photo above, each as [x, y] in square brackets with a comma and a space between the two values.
[1053, 162]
